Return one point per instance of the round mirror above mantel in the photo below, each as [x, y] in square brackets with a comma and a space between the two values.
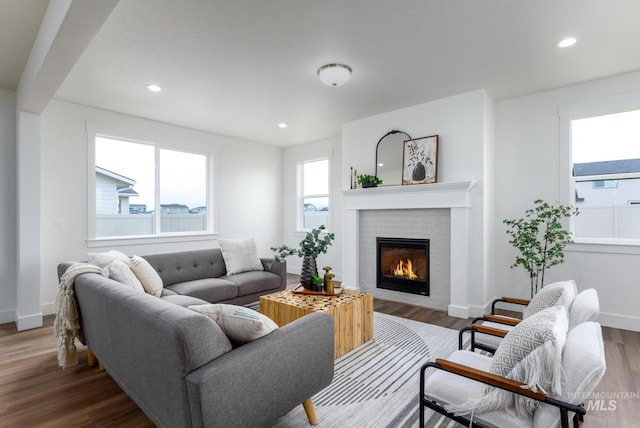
[389, 157]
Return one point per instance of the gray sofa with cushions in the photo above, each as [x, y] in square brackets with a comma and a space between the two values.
[203, 274]
[181, 369]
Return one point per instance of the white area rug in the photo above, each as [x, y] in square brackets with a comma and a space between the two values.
[376, 384]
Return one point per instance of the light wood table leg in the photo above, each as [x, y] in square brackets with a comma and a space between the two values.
[310, 410]
[91, 359]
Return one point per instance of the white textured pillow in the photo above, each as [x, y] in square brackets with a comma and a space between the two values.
[240, 324]
[120, 271]
[530, 353]
[558, 293]
[147, 275]
[585, 307]
[240, 255]
[103, 259]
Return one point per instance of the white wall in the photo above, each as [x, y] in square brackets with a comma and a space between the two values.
[247, 185]
[8, 212]
[463, 123]
[527, 168]
[290, 236]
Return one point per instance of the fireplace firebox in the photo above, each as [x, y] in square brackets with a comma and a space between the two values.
[403, 265]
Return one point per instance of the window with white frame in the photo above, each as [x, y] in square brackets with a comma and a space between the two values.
[314, 194]
[142, 189]
[605, 157]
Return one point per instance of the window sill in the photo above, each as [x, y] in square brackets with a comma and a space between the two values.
[304, 232]
[605, 245]
[141, 240]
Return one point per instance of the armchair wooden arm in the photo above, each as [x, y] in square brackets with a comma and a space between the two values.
[479, 328]
[506, 299]
[489, 379]
[489, 330]
[496, 381]
[501, 320]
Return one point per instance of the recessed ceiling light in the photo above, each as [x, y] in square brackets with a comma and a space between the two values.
[154, 88]
[565, 43]
[282, 125]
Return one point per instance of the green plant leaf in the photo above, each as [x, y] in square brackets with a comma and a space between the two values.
[540, 239]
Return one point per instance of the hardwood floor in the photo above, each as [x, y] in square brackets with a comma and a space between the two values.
[34, 392]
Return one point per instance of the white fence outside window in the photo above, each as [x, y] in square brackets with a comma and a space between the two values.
[620, 221]
[144, 224]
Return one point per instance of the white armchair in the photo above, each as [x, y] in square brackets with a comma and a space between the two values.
[464, 375]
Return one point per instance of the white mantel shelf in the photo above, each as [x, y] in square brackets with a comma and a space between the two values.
[436, 195]
[455, 196]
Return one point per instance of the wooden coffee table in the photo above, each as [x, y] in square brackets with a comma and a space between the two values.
[352, 313]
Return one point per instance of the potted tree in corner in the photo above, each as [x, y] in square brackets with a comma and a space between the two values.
[540, 239]
[309, 249]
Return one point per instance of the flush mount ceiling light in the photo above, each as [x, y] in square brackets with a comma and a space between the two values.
[334, 74]
[565, 43]
[282, 125]
[154, 88]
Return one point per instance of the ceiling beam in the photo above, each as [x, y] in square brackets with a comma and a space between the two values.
[67, 29]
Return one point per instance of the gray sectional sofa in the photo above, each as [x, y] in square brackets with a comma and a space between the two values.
[178, 365]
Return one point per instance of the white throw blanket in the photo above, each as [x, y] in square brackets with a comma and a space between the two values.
[67, 324]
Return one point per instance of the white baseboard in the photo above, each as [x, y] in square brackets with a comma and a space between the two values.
[458, 311]
[622, 322]
[29, 322]
[48, 308]
[478, 311]
[7, 316]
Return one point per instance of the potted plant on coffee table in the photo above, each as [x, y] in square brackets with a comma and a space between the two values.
[309, 249]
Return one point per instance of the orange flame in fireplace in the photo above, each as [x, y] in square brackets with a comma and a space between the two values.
[405, 270]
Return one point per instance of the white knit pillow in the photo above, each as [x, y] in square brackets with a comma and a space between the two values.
[147, 275]
[103, 259]
[240, 324]
[558, 293]
[240, 255]
[120, 271]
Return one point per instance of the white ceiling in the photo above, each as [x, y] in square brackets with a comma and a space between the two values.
[240, 67]
[19, 22]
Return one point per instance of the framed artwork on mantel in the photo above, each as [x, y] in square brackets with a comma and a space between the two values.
[420, 160]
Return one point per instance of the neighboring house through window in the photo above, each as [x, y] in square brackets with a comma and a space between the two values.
[113, 192]
[142, 189]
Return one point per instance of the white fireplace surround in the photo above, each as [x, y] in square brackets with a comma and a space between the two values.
[455, 196]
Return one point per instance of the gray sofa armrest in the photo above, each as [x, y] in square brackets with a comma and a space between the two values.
[279, 268]
[261, 381]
